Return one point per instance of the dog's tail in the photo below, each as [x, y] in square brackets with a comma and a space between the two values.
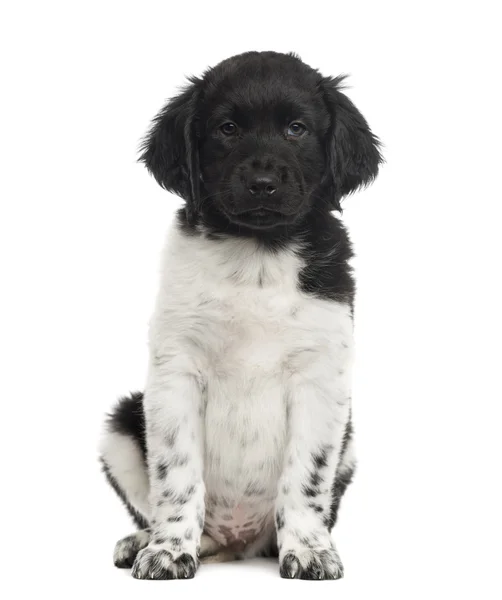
[123, 456]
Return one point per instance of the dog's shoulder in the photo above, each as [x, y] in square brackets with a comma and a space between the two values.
[326, 252]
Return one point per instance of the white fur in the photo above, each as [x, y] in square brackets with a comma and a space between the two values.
[125, 461]
[248, 377]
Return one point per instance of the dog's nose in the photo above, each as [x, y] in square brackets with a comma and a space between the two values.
[262, 185]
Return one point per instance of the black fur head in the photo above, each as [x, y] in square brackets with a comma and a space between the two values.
[259, 142]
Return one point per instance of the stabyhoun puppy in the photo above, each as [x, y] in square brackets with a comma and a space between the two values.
[242, 444]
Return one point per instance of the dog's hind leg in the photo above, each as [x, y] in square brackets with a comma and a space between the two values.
[127, 548]
[123, 457]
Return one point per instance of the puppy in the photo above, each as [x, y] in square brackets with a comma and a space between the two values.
[241, 445]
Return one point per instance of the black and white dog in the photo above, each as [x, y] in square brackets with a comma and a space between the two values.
[242, 442]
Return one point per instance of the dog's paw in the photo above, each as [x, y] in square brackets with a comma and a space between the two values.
[126, 549]
[156, 562]
[311, 563]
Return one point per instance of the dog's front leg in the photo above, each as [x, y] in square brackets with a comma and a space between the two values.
[173, 409]
[318, 410]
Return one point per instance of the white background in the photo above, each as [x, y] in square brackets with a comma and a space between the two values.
[82, 225]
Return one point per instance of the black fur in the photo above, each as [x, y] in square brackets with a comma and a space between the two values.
[354, 152]
[128, 418]
[188, 154]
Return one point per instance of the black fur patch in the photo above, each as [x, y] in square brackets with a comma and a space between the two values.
[187, 153]
[179, 498]
[128, 418]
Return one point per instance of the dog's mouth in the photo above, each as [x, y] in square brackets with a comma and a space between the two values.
[261, 218]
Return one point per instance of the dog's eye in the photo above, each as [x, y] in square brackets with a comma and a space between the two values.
[229, 128]
[296, 129]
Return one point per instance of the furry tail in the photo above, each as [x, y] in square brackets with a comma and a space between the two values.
[123, 456]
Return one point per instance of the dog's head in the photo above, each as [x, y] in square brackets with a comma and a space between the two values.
[259, 141]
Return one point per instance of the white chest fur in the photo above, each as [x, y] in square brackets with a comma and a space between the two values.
[232, 314]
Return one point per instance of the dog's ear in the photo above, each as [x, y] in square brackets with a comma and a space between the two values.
[170, 148]
[353, 151]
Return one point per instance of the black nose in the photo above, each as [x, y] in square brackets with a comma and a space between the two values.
[262, 185]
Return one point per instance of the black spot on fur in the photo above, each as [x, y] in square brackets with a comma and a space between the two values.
[159, 538]
[179, 498]
[279, 519]
[315, 479]
[310, 491]
[161, 470]
[320, 458]
[174, 542]
[175, 519]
